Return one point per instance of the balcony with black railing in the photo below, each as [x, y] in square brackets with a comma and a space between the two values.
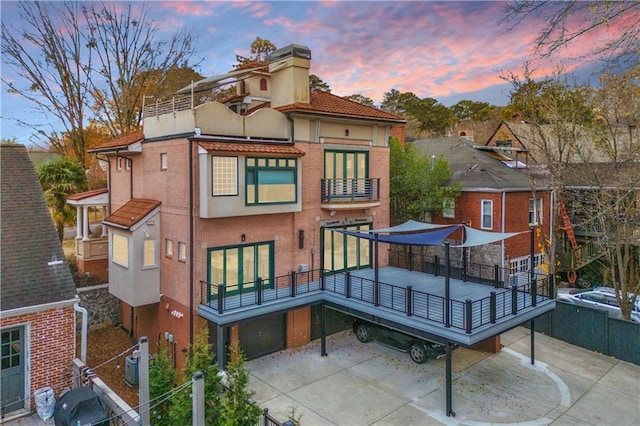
[341, 194]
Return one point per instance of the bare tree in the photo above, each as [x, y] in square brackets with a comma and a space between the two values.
[80, 60]
[568, 21]
[587, 141]
[47, 53]
[133, 61]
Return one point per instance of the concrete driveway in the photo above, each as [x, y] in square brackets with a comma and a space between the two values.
[369, 384]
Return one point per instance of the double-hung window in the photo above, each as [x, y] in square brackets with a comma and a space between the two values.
[486, 207]
[120, 250]
[271, 180]
[535, 212]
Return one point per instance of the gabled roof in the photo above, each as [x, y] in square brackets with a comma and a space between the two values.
[132, 213]
[475, 169]
[326, 103]
[121, 142]
[29, 239]
[253, 148]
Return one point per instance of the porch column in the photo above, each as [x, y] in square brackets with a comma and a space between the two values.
[78, 223]
[104, 227]
[85, 223]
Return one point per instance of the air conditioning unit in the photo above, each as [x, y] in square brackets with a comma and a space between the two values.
[131, 371]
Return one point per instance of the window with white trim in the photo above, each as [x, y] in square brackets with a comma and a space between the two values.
[127, 163]
[182, 251]
[149, 254]
[224, 176]
[449, 207]
[120, 250]
[164, 161]
[168, 247]
[535, 212]
[486, 208]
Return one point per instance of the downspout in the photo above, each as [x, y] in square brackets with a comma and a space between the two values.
[504, 199]
[85, 323]
[191, 246]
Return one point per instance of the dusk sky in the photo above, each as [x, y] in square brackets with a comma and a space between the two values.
[445, 50]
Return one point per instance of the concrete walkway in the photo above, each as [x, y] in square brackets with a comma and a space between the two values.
[369, 384]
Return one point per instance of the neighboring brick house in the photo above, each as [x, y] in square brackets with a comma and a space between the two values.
[497, 195]
[38, 293]
[227, 193]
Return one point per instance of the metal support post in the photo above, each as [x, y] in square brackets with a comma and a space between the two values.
[323, 333]
[448, 385]
[533, 342]
[197, 389]
[447, 292]
[220, 346]
[143, 381]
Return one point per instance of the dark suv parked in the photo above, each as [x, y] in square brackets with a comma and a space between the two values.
[420, 350]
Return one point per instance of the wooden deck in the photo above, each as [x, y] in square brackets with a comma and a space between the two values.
[413, 302]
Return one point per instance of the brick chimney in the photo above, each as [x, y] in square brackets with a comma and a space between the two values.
[289, 69]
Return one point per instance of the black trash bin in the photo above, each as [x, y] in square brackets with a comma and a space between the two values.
[80, 406]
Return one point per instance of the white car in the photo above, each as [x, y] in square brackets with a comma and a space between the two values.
[603, 298]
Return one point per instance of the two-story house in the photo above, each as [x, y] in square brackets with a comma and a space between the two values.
[498, 194]
[236, 194]
[37, 298]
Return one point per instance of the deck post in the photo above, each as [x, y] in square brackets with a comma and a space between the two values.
[464, 265]
[496, 276]
[376, 283]
[514, 299]
[447, 295]
[533, 280]
[551, 285]
[436, 265]
[293, 283]
[220, 298]
[409, 298]
[533, 342]
[492, 307]
[411, 258]
[323, 333]
[347, 284]
[322, 285]
[259, 284]
[448, 385]
[220, 345]
[468, 314]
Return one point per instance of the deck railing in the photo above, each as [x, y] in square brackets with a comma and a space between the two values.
[350, 190]
[257, 292]
[465, 315]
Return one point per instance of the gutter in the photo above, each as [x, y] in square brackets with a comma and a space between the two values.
[38, 308]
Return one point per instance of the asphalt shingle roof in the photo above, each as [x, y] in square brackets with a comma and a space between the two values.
[132, 212]
[474, 169]
[29, 239]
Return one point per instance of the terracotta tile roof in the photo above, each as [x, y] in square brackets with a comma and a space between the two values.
[252, 148]
[120, 142]
[88, 194]
[29, 239]
[328, 103]
[231, 98]
[132, 212]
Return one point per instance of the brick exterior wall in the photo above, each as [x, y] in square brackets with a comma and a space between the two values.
[51, 346]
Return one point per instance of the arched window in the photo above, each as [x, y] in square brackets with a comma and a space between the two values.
[263, 84]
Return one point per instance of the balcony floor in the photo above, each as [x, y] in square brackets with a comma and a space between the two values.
[427, 316]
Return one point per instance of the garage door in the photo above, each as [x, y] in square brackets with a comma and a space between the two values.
[263, 335]
[334, 321]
